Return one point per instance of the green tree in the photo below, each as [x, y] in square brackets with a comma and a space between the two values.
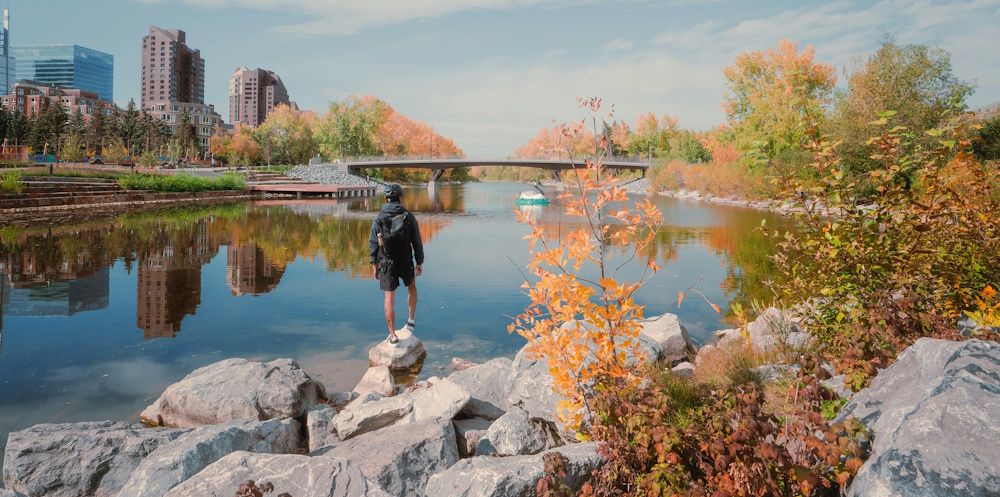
[688, 147]
[112, 124]
[18, 129]
[76, 123]
[48, 128]
[350, 127]
[770, 93]
[915, 81]
[131, 129]
[184, 143]
[987, 147]
[96, 129]
[72, 147]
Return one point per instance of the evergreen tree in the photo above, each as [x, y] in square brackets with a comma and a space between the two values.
[18, 129]
[5, 118]
[48, 129]
[131, 130]
[112, 124]
[96, 129]
[184, 140]
[76, 123]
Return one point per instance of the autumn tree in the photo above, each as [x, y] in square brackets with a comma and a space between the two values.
[651, 136]
[769, 94]
[914, 81]
[349, 127]
[585, 326]
[243, 150]
[286, 137]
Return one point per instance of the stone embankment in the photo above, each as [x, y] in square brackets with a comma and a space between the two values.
[480, 431]
[329, 175]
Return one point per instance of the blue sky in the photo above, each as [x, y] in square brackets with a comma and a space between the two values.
[491, 73]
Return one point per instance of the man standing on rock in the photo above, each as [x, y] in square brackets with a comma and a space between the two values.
[393, 243]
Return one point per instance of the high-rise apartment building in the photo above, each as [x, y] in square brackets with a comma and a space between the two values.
[253, 94]
[171, 70]
[67, 66]
[7, 71]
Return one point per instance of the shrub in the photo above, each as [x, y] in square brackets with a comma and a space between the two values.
[871, 275]
[181, 182]
[10, 182]
[677, 437]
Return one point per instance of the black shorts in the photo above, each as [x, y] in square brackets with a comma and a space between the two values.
[390, 282]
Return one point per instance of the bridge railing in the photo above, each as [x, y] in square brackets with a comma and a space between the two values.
[636, 160]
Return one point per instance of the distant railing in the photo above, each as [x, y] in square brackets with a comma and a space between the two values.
[636, 160]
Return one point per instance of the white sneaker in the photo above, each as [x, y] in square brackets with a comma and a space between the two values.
[410, 325]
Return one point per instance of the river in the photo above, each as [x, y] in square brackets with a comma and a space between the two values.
[98, 319]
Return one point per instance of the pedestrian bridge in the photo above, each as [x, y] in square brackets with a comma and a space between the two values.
[439, 166]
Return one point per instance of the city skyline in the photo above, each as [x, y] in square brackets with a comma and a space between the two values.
[491, 74]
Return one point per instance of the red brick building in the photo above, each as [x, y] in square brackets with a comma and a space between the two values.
[253, 94]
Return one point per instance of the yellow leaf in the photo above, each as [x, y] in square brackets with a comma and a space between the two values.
[680, 298]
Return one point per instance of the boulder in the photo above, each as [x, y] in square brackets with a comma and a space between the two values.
[91, 458]
[236, 389]
[515, 434]
[484, 447]
[181, 459]
[360, 418]
[468, 432]
[674, 339]
[319, 426]
[512, 476]
[935, 417]
[9, 493]
[406, 354]
[376, 379]
[298, 475]
[683, 370]
[437, 398]
[774, 328]
[529, 386]
[836, 384]
[400, 459]
[486, 384]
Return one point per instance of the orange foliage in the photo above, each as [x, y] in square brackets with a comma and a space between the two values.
[586, 328]
[722, 152]
[554, 143]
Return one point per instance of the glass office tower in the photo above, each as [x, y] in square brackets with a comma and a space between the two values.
[69, 66]
[7, 73]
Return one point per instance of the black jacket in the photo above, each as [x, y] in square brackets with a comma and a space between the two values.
[390, 209]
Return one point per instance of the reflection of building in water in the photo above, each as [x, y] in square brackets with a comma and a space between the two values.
[64, 288]
[248, 270]
[169, 284]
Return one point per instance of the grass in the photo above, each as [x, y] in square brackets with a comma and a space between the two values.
[180, 183]
[10, 182]
[64, 173]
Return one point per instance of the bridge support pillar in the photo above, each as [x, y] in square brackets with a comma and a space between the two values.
[557, 175]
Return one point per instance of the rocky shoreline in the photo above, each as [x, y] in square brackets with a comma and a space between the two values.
[479, 431]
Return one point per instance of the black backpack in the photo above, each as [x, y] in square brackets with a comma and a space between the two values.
[394, 240]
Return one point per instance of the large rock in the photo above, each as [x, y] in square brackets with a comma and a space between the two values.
[400, 459]
[319, 426]
[92, 458]
[358, 419]
[181, 459]
[511, 476]
[486, 384]
[437, 398]
[376, 379]
[236, 389]
[9, 493]
[530, 387]
[935, 414]
[515, 434]
[468, 433]
[674, 339]
[406, 354]
[298, 475]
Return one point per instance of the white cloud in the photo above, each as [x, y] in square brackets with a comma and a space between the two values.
[619, 45]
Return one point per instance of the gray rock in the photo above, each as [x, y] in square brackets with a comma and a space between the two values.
[9, 493]
[511, 476]
[836, 384]
[440, 398]
[774, 328]
[406, 354]
[935, 414]
[400, 459]
[683, 370]
[776, 372]
[674, 339]
[376, 379]
[329, 175]
[484, 447]
[703, 352]
[340, 399]
[91, 458]
[515, 434]
[236, 389]
[181, 459]
[486, 385]
[468, 433]
[530, 387]
[298, 475]
[362, 418]
[319, 426]
[362, 400]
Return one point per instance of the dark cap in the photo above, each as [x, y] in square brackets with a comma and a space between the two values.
[393, 191]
